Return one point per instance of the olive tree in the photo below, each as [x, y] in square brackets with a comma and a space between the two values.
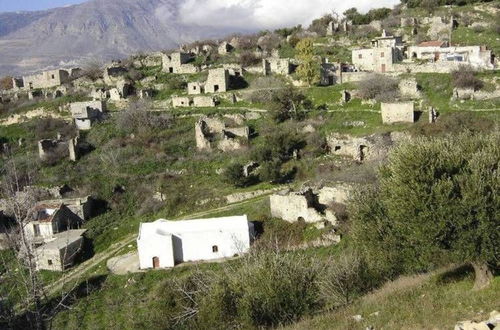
[438, 201]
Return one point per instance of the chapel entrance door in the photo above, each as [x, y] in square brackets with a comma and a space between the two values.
[156, 262]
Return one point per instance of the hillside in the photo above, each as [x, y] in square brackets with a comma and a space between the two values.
[373, 189]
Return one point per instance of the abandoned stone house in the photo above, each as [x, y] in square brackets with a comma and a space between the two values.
[85, 114]
[300, 206]
[164, 244]
[196, 102]
[48, 219]
[210, 131]
[218, 81]
[440, 52]
[330, 73]
[398, 112]
[179, 63]
[225, 48]
[56, 149]
[114, 73]
[83, 207]
[386, 50]
[369, 148]
[281, 66]
[47, 79]
[61, 251]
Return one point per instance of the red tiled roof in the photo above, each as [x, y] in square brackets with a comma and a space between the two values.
[432, 43]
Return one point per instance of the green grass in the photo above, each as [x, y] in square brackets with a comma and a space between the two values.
[412, 303]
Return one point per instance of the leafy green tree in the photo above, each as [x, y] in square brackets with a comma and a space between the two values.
[438, 201]
[308, 70]
[288, 103]
[234, 174]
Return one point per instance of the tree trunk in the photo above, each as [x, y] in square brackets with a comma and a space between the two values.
[483, 274]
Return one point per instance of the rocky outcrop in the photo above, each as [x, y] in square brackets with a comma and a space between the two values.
[492, 323]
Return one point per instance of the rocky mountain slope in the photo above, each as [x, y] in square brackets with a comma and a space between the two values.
[102, 29]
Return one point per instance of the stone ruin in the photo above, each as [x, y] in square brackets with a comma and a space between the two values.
[123, 90]
[330, 73]
[57, 149]
[282, 66]
[217, 82]
[85, 114]
[196, 102]
[210, 132]
[302, 206]
[179, 63]
[370, 148]
[408, 88]
[114, 73]
[225, 48]
[398, 112]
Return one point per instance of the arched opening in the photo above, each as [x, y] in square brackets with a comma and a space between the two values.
[300, 220]
[414, 55]
[215, 249]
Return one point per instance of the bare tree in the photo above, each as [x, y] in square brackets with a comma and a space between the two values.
[28, 298]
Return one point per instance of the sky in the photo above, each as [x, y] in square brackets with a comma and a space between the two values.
[245, 14]
[268, 14]
[30, 5]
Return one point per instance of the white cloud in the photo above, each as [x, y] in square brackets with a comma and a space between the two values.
[267, 14]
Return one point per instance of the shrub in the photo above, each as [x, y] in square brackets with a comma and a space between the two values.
[6, 83]
[379, 87]
[343, 279]
[234, 174]
[248, 58]
[138, 118]
[465, 77]
[289, 103]
[92, 69]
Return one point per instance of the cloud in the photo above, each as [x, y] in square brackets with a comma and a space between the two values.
[266, 14]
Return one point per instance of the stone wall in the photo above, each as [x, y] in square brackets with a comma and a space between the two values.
[181, 102]
[47, 79]
[409, 88]
[276, 65]
[178, 63]
[372, 147]
[401, 112]
[204, 101]
[299, 206]
[217, 81]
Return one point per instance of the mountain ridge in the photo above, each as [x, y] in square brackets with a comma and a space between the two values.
[103, 29]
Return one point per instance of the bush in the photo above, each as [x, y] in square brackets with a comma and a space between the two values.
[6, 83]
[139, 119]
[343, 279]
[248, 58]
[92, 69]
[465, 77]
[379, 87]
[289, 103]
[234, 174]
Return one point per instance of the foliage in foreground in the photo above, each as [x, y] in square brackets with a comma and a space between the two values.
[437, 202]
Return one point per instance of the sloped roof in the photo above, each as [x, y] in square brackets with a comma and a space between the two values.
[432, 43]
[165, 227]
[45, 212]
